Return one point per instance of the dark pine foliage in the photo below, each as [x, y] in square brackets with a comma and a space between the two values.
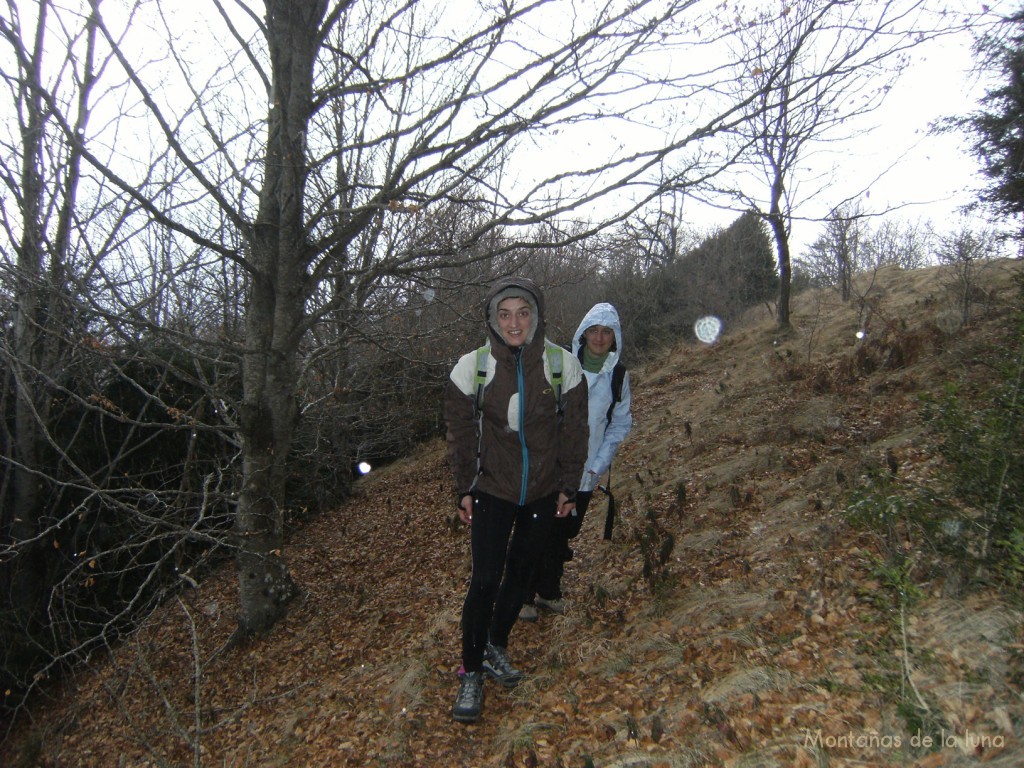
[998, 127]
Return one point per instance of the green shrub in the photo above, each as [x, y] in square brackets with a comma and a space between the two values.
[970, 521]
[982, 442]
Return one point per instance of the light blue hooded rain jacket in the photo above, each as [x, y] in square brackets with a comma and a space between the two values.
[605, 435]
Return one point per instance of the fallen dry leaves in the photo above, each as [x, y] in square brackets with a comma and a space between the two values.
[734, 620]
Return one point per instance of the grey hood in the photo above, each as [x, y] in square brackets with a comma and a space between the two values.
[515, 287]
[600, 314]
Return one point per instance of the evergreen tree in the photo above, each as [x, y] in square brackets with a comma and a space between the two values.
[729, 271]
[998, 127]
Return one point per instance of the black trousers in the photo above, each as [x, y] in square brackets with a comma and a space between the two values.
[506, 540]
[556, 552]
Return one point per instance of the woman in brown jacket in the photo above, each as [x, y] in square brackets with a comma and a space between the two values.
[517, 441]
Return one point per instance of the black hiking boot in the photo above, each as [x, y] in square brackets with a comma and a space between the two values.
[498, 666]
[470, 698]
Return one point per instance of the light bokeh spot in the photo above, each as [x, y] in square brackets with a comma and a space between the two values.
[708, 329]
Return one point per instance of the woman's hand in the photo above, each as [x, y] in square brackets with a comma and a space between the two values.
[466, 509]
[565, 506]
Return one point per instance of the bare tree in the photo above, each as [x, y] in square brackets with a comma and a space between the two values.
[380, 122]
[899, 244]
[966, 250]
[848, 245]
[281, 194]
[110, 420]
[41, 174]
[818, 68]
[837, 255]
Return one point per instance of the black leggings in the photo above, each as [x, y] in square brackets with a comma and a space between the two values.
[505, 541]
[547, 575]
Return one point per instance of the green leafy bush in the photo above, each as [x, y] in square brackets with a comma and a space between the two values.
[970, 521]
[982, 441]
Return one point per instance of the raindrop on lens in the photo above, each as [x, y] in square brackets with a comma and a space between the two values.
[708, 329]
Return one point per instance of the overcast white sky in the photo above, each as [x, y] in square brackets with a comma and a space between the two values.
[897, 164]
[930, 176]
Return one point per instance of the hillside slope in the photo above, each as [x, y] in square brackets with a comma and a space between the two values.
[736, 617]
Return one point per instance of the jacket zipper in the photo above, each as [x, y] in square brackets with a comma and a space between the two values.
[522, 424]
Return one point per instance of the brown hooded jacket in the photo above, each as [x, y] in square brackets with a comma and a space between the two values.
[526, 451]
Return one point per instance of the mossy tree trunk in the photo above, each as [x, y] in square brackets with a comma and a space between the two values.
[275, 318]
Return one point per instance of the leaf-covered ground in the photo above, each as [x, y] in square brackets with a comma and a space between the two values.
[736, 618]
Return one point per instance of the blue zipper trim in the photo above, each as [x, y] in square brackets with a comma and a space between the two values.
[522, 435]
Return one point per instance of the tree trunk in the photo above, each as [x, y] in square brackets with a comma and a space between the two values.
[275, 316]
[785, 270]
[29, 568]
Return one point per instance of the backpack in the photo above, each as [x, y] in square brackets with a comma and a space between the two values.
[618, 374]
[555, 363]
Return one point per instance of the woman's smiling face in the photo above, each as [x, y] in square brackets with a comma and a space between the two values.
[514, 321]
[599, 338]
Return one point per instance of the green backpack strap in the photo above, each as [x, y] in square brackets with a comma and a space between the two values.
[480, 379]
[555, 362]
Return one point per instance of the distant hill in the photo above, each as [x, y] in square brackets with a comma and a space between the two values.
[738, 617]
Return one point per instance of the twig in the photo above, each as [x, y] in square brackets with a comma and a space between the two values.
[907, 670]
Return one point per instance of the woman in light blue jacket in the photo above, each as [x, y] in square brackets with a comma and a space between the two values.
[598, 345]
